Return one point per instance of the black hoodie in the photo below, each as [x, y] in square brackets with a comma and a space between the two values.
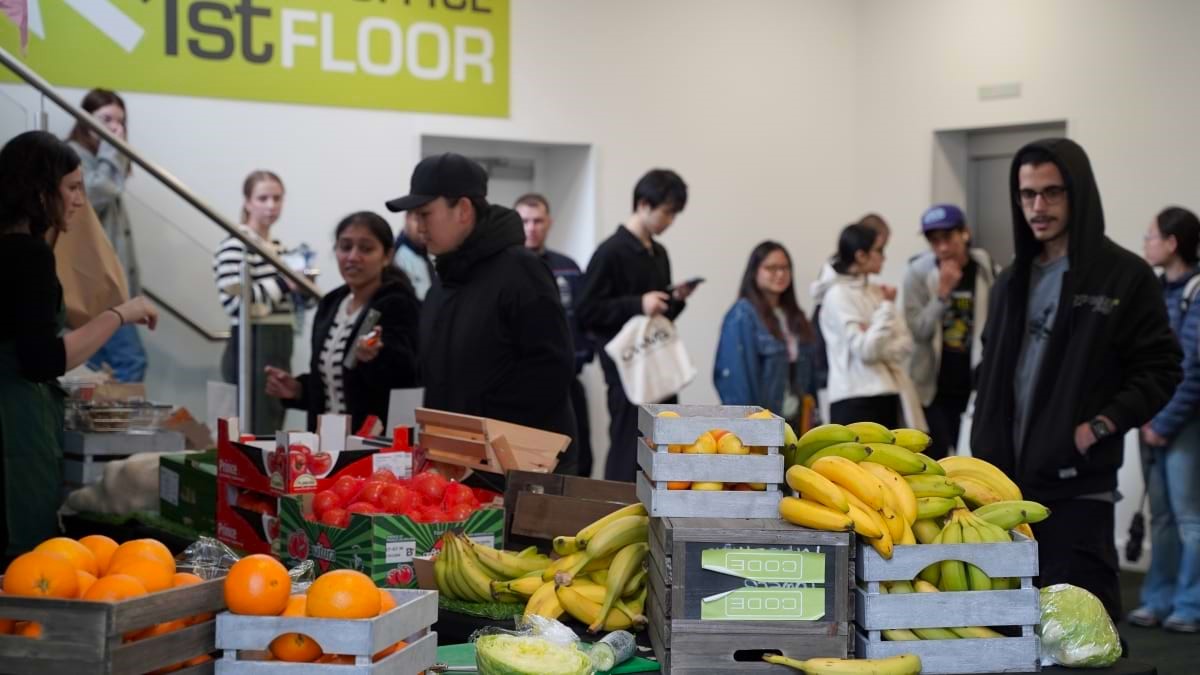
[494, 338]
[1111, 351]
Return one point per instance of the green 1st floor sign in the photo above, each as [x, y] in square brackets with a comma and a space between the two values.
[439, 56]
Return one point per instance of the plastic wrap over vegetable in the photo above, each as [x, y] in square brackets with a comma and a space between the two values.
[1076, 631]
[539, 646]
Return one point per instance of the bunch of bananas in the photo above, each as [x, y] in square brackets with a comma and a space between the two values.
[987, 524]
[466, 569]
[947, 633]
[901, 664]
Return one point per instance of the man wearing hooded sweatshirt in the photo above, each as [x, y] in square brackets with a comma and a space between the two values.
[494, 340]
[1077, 351]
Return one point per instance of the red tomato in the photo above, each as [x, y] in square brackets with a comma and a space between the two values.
[301, 448]
[297, 462]
[460, 512]
[325, 500]
[457, 493]
[398, 499]
[320, 463]
[362, 507]
[484, 495]
[384, 475]
[430, 485]
[372, 492]
[348, 487]
[336, 517]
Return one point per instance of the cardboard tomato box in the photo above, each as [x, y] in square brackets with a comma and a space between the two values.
[299, 462]
[381, 546]
[248, 519]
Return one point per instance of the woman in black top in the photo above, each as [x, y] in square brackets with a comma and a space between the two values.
[352, 370]
[41, 189]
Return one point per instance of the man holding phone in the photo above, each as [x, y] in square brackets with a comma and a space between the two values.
[630, 274]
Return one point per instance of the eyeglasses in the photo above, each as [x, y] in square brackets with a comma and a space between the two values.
[776, 269]
[1051, 194]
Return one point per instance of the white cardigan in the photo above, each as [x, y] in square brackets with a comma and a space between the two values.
[866, 340]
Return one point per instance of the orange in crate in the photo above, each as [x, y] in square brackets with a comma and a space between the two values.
[258, 585]
[41, 575]
[153, 574]
[343, 594]
[114, 588]
[80, 556]
[102, 548]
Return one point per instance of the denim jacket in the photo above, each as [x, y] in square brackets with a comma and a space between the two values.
[752, 365]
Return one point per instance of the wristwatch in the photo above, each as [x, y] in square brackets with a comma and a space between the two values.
[1099, 428]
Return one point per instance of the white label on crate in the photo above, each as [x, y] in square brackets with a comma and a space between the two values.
[399, 463]
[488, 540]
[168, 486]
[400, 551]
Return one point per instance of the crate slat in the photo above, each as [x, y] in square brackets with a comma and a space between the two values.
[1016, 655]
[694, 420]
[417, 656]
[1015, 559]
[939, 610]
[699, 503]
[667, 466]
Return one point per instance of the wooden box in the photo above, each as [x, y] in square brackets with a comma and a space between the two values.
[244, 640]
[780, 588]
[539, 507]
[484, 444]
[659, 466]
[81, 638]
[1019, 608]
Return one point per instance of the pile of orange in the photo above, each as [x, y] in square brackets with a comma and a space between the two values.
[98, 569]
[259, 585]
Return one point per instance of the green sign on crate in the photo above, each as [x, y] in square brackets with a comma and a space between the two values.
[766, 565]
[765, 604]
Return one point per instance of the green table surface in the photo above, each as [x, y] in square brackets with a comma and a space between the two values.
[464, 655]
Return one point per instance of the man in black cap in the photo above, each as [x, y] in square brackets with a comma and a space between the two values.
[494, 340]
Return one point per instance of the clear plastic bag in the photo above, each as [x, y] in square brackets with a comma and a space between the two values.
[208, 558]
[1076, 630]
[538, 646]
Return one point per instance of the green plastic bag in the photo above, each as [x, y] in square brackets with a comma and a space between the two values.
[1076, 630]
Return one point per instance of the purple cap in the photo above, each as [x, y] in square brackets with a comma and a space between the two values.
[942, 217]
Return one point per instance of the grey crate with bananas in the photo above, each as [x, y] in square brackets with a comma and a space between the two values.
[1019, 609]
[659, 466]
[686, 643]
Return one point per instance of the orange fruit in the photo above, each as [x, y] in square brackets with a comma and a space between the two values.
[157, 629]
[296, 648]
[343, 594]
[153, 574]
[102, 548]
[85, 581]
[258, 585]
[7, 625]
[343, 659]
[386, 601]
[295, 605]
[80, 556]
[29, 629]
[41, 574]
[185, 579]
[390, 650]
[114, 588]
[679, 484]
[142, 548]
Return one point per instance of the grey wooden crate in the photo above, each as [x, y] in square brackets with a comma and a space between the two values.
[876, 611]
[663, 503]
[81, 638]
[244, 639]
[694, 420]
[660, 465]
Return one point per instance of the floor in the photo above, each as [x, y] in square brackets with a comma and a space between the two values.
[1171, 653]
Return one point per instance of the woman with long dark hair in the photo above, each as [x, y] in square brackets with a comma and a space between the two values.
[765, 356]
[354, 367]
[41, 188]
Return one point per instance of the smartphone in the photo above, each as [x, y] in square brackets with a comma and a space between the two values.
[368, 325]
[693, 282]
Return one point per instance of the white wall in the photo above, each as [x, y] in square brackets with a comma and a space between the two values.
[1121, 73]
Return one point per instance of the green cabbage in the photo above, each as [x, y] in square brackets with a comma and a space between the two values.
[1076, 630]
[503, 654]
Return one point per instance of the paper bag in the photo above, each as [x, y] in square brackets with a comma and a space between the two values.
[91, 275]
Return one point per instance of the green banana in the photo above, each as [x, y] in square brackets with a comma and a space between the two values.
[636, 583]
[565, 546]
[905, 588]
[454, 575]
[913, 440]
[1008, 514]
[931, 466]
[903, 664]
[899, 635]
[976, 633]
[528, 552]
[626, 563]
[933, 572]
[815, 439]
[926, 530]
[899, 459]
[870, 432]
[613, 537]
[440, 566]
[855, 452]
[599, 576]
[976, 579]
[584, 535]
[933, 507]
[926, 485]
[953, 574]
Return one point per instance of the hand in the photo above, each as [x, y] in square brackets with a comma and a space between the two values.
[139, 311]
[1085, 439]
[281, 384]
[949, 274]
[681, 293]
[654, 302]
[1152, 438]
[888, 292]
[368, 346]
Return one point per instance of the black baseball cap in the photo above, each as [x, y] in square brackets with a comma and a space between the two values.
[448, 175]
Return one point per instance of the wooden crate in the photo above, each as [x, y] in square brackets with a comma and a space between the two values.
[693, 611]
[87, 637]
[1018, 608]
[244, 640]
[658, 466]
[541, 506]
[484, 444]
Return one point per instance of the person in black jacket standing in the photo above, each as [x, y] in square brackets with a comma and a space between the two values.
[354, 368]
[493, 336]
[1077, 351]
[630, 274]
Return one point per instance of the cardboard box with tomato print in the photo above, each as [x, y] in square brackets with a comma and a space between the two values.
[298, 462]
[248, 520]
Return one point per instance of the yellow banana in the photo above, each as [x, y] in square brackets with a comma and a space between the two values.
[903, 664]
[975, 491]
[913, 440]
[933, 507]
[895, 457]
[636, 583]
[908, 537]
[565, 546]
[928, 485]
[478, 583]
[582, 537]
[904, 502]
[865, 524]
[999, 479]
[1010, 513]
[506, 564]
[454, 579]
[599, 576]
[854, 478]
[968, 632]
[1025, 529]
[899, 635]
[439, 574]
[605, 543]
[870, 432]
[627, 562]
[926, 530]
[883, 545]
[855, 452]
[814, 486]
[819, 438]
[524, 586]
[544, 602]
[563, 564]
[894, 523]
[807, 513]
[588, 612]
[528, 552]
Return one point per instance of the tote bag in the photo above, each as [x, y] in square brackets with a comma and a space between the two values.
[651, 360]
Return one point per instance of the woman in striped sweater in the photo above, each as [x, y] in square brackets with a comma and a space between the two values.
[271, 312]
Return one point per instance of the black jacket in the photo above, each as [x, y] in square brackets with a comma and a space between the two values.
[494, 338]
[368, 386]
[619, 273]
[1111, 351]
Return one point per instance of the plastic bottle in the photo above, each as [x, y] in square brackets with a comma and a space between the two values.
[613, 649]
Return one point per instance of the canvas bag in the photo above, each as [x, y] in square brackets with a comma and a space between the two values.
[651, 360]
[88, 269]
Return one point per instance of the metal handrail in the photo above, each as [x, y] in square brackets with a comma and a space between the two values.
[210, 335]
[303, 283]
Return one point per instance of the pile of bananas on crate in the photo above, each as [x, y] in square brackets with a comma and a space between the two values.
[599, 578]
